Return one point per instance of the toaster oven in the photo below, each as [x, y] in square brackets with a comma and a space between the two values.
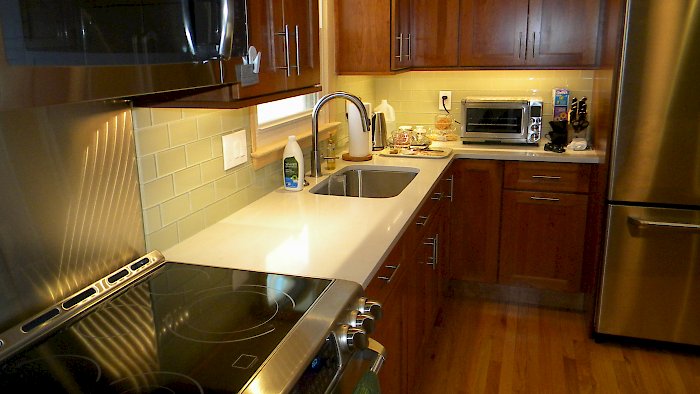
[510, 120]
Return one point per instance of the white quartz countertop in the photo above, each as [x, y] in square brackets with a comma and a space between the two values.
[304, 234]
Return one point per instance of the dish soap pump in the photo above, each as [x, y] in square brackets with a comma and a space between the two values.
[293, 165]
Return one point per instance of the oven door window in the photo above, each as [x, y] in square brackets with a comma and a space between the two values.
[102, 32]
[497, 120]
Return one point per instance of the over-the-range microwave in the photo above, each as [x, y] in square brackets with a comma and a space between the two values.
[510, 120]
[55, 52]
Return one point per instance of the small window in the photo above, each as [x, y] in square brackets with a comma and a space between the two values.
[280, 111]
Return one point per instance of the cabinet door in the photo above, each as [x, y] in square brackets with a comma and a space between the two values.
[475, 220]
[389, 334]
[414, 318]
[301, 17]
[434, 36]
[542, 239]
[363, 36]
[493, 32]
[265, 19]
[563, 32]
[401, 53]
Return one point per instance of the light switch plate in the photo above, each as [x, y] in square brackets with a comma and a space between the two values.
[235, 149]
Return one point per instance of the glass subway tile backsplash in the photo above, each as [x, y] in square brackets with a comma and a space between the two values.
[184, 187]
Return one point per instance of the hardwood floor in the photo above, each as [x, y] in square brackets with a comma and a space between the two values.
[490, 347]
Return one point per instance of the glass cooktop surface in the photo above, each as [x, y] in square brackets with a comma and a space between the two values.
[183, 329]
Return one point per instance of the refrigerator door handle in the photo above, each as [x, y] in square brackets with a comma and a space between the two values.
[641, 224]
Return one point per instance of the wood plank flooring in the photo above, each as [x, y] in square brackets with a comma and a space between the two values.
[491, 347]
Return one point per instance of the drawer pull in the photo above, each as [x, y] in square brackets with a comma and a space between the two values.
[422, 220]
[389, 278]
[544, 198]
[548, 177]
[436, 196]
[641, 223]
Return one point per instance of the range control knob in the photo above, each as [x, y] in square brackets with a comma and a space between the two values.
[354, 338]
[362, 320]
[370, 307]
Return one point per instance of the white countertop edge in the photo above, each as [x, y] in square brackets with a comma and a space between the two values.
[303, 234]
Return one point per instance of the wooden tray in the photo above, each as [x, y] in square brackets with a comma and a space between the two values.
[434, 153]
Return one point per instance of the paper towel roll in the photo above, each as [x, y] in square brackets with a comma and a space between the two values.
[358, 140]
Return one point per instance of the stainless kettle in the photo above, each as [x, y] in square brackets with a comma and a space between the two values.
[379, 132]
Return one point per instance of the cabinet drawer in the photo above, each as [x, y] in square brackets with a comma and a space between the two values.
[388, 275]
[555, 177]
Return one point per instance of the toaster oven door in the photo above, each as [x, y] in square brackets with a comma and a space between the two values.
[495, 121]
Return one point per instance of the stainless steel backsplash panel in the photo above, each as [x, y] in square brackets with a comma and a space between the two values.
[70, 207]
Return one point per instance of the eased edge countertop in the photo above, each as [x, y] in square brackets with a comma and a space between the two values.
[304, 234]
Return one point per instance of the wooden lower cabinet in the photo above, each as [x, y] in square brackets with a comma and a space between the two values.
[410, 285]
[475, 219]
[542, 239]
[519, 223]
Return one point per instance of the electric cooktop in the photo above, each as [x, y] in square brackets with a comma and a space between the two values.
[182, 328]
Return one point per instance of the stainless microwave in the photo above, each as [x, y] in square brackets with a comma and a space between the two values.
[54, 52]
[510, 120]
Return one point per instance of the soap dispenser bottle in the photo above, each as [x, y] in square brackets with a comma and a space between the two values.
[293, 165]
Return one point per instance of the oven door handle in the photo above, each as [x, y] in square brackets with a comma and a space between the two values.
[361, 363]
[380, 352]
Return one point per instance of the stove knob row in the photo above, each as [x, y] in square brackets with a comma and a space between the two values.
[369, 307]
[354, 338]
[362, 320]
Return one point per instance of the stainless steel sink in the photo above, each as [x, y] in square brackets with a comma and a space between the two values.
[367, 181]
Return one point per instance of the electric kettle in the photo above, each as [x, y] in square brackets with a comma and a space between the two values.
[379, 132]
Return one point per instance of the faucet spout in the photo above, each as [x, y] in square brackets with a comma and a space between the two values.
[315, 154]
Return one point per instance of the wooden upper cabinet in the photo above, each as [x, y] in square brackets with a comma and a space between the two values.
[512, 33]
[372, 36]
[272, 30]
[301, 18]
[401, 46]
[493, 32]
[434, 33]
[563, 32]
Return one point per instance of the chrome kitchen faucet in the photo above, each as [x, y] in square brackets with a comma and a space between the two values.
[315, 154]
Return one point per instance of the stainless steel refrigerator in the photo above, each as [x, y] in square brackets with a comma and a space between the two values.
[651, 276]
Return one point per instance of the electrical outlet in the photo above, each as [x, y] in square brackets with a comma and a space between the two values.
[448, 100]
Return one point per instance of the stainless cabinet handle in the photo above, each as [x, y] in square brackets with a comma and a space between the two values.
[520, 45]
[451, 179]
[395, 268]
[288, 65]
[296, 40]
[434, 242]
[549, 177]
[436, 196]
[400, 55]
[409, 46]
[642, 223]
[544, 199]
[422, 220]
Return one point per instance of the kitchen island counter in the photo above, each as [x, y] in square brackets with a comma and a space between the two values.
[305, 234]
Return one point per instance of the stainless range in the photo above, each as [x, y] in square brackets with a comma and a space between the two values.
[156, 326]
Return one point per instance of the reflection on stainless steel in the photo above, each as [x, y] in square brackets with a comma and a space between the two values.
[131, 331]
[70, 202]
[301, 344]
[656, 156]
[651, 274]
[650, 284]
